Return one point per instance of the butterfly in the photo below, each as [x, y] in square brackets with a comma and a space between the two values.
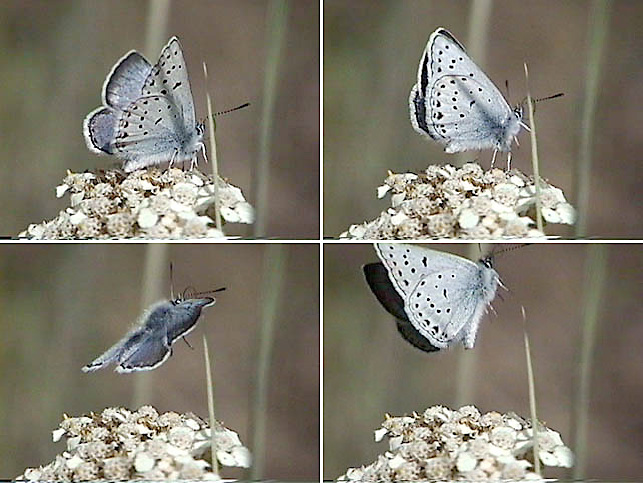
[149, 344]
[457, 105]
[148, 116]
[438, 299]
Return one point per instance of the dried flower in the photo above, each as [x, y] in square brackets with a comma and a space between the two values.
[464, 444]
[118, 444]
[109, 204]
[467, 202]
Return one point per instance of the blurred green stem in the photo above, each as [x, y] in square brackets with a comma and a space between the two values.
[273, 275]
[593, 289]
[599, 16]
[156, 27]
[276, 28]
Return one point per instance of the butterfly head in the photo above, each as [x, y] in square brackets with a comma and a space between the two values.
[200, 130]
[519, 111]
[487, 261]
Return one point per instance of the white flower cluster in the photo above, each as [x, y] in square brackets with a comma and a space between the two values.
[147, 203]
[118, 444]
[462, 445]
[466, 202]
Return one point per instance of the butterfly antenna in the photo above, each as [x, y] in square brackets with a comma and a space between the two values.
[524, 101]
[560, 94]
[220, 113]
[188, 293]
[198, 294]
[510, 249]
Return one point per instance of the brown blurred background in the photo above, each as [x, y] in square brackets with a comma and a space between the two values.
[63, 305]
[53, 62]
[369, 370]
[371, 55]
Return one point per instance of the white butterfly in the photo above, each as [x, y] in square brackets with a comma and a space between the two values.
[148, 115]
[438, 299]
[456, 104]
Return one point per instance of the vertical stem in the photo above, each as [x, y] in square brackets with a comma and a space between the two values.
[213, 421]
[156, 27]
[156, 262]
[532, 394]
[534, 154]
[273, 275]
[595, 275]
[213, 154]
[276, 27]
[598, 29]
[478, 30]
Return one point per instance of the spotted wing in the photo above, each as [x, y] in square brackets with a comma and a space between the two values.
[445, 301]
[435, 287]
[455, 103]
[169, 78]
[149, 132]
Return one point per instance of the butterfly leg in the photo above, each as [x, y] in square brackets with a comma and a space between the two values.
[186, 341]
[173, 158]
[509, 161]
[493, 159]
[203, 152]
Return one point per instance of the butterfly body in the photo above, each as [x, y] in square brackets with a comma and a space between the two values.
[438, 299]
[148, 116]
[454, 103]
[149, 344]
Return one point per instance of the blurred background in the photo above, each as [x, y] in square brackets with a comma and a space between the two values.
[71, 302]
[371, 56]
[370, 370]
[53, 62]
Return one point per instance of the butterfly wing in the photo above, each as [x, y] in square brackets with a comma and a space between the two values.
[442, 293]
[118, 351]
[125, 81]
[378, 280]
[150, 352]
[445, 301]
[456, 104]
[169, 78]
[99, 129]
[151, 130]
